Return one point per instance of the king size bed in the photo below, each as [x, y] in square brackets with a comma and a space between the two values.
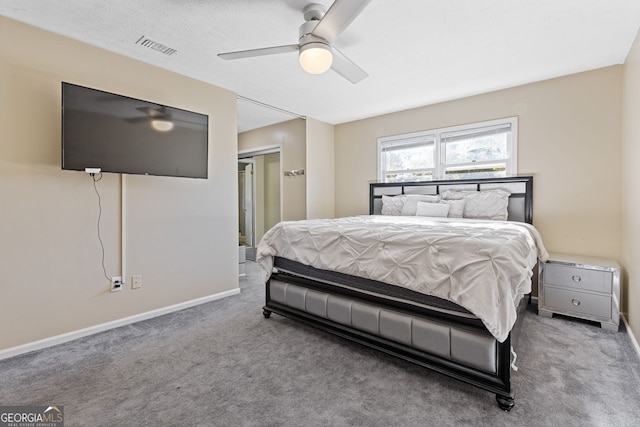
[437, 274]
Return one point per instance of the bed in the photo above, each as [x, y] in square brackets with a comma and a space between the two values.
[442, 291]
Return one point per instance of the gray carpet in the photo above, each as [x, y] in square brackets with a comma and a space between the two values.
[223, 364]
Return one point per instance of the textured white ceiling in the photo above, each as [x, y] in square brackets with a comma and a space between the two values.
[417, 52]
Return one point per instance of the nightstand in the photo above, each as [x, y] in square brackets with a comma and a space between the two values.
[579, 286]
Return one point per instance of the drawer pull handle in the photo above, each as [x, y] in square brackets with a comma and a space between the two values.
[576, 278]
[575, 302]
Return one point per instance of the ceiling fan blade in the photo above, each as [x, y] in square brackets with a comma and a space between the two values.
[138, 119]
[347, 68]
[338, 17]
[151, 119]
[154, 112]
[259, 52]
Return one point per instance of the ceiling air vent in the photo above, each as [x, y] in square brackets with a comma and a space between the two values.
[143, 41]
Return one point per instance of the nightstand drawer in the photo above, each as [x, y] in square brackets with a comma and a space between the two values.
[578, 278]
[577, 302]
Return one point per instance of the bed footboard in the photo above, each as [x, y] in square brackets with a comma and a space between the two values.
[455, 348]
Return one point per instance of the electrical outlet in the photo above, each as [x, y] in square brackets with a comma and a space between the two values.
[116, 284]
[136, 281]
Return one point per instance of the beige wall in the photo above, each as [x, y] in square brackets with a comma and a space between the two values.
[291, 137]
[272, 178]
[259, 199]
[630, 185]
[320, 170]
[267, 193]
[180, 234]
[569, 140]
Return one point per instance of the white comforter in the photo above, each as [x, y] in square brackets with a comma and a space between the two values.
[483, 266]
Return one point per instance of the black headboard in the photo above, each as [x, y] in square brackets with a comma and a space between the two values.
[520, 202]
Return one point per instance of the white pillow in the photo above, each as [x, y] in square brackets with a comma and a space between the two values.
[490, 204]
[392, 205]
[456, 194]
[432, 209]
[456, 208]
[411, 203]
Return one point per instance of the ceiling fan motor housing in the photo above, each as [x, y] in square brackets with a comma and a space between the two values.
[304, 33]
[306, 37]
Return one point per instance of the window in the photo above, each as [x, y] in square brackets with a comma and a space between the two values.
[478, 150]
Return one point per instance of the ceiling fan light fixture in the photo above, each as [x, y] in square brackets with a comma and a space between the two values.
[162, 125]
[315, 57]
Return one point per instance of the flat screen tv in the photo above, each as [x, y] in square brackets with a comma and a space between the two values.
[120, 134]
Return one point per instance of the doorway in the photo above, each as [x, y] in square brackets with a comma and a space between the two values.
[259, 194]
[245, 202]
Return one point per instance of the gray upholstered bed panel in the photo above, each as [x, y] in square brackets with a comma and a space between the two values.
[469, 347]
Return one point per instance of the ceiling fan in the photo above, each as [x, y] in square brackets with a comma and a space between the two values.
[320, 29]
[160, 118]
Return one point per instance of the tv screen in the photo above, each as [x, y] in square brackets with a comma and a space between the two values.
[125, 135]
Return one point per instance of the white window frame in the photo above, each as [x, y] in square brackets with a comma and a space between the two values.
[436, 135]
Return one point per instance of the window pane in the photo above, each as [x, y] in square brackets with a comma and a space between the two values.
[485, 148]
[413, 157]
[409, 176]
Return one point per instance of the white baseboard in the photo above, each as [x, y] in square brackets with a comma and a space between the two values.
[634, 342]
[69, 336]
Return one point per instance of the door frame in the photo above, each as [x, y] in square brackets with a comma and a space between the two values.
[249, 228]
